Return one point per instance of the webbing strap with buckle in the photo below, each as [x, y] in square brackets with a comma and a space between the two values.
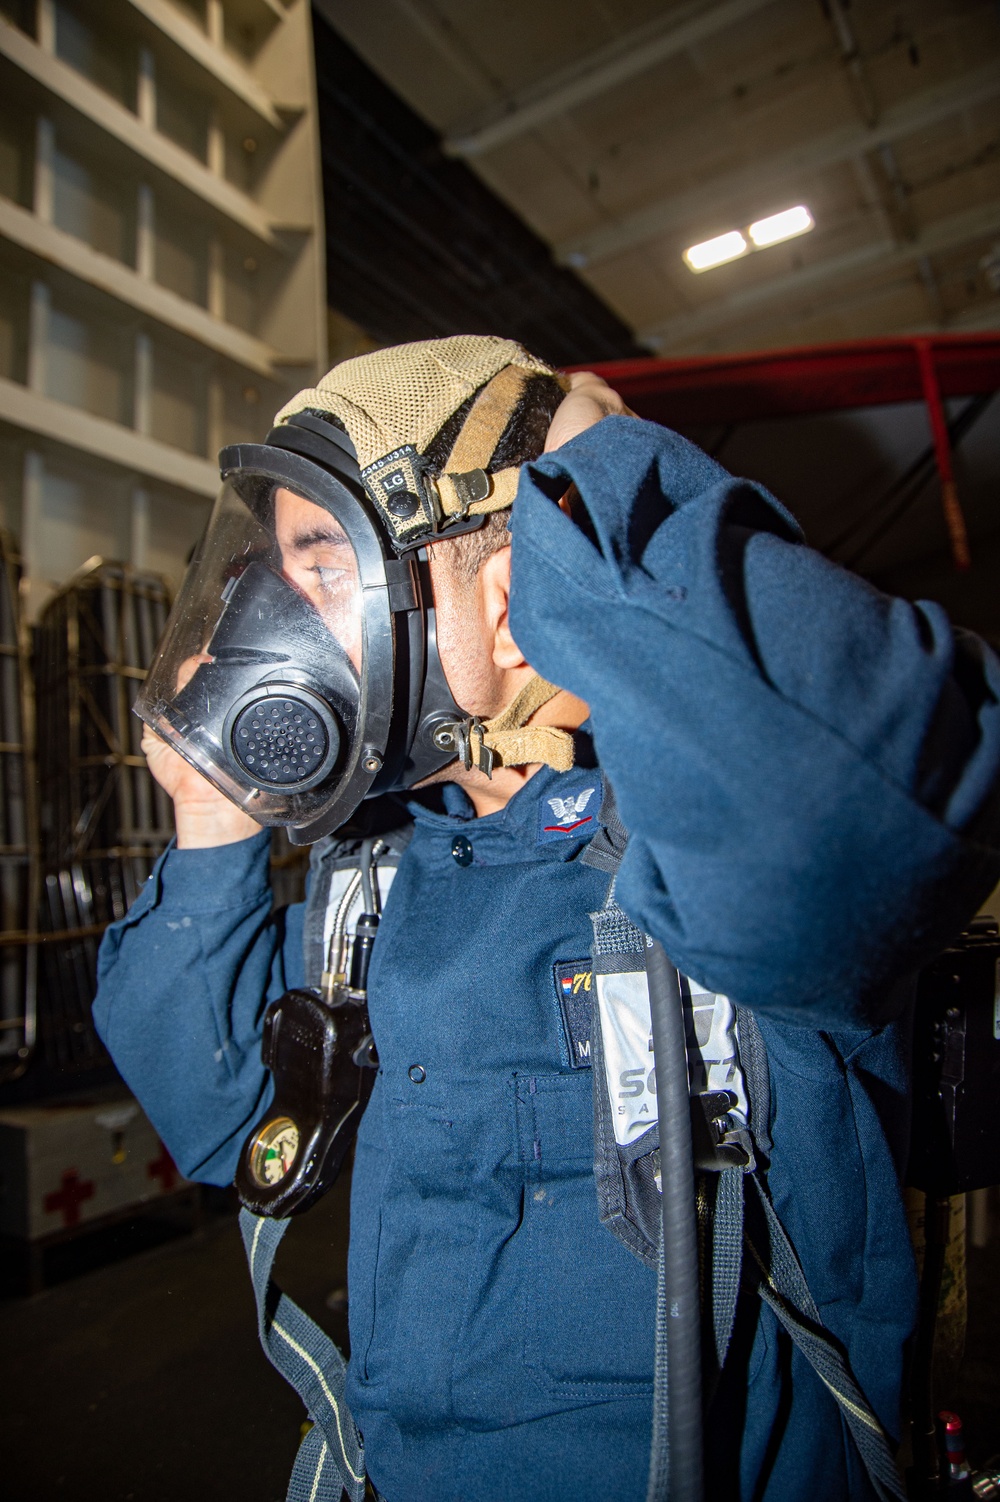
[782, 1285]
[727, 1257]
[330, 1459]
[771, 1268]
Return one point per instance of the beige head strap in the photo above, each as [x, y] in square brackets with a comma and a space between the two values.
[465, 487]
[508, 741]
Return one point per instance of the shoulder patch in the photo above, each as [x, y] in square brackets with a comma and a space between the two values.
[574, 993]
[572, 814]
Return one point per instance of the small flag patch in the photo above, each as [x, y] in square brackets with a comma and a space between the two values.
[574, 991]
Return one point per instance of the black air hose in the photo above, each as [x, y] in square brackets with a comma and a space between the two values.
[675, 1467]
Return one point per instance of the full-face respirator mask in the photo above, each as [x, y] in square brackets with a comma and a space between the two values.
[299, 671]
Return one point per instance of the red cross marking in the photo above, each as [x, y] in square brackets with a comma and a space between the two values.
[164, 1168]
[69, 1197]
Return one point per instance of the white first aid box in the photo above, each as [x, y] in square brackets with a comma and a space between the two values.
[67, 1162]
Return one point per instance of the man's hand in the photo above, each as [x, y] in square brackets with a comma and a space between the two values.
[204, 816]
[588, 400]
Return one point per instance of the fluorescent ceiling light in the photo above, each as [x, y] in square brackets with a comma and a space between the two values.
[781, 226]
[715, 252]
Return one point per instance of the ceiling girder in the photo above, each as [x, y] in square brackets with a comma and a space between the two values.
[567, 88]
[944, 235]
[712, 203]
[418, 247]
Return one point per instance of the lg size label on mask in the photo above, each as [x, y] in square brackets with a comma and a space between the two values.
[399, 498]
[395, 483]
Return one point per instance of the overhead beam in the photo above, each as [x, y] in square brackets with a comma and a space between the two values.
[607, 68]
[716, 204]
[957, 229]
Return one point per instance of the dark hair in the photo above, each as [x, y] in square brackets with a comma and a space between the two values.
[523, 437]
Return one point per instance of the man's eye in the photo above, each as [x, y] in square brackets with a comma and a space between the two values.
[328, 576]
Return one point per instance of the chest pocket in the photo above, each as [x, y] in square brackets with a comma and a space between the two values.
[588, 1306]
[559, 1314]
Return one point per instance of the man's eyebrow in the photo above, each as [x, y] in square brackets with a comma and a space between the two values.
[309, 538]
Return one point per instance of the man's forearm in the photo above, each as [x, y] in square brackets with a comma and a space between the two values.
[183, 981]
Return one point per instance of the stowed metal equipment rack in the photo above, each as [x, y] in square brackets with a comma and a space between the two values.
[103, 819]
[18, 830]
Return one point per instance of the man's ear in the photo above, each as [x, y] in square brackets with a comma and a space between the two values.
[494, 594]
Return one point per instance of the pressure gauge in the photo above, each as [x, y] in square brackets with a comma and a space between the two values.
[274, 1150]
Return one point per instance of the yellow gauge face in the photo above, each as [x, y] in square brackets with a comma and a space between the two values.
[274, 1150]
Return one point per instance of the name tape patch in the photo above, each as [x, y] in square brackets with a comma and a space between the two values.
[574, 983]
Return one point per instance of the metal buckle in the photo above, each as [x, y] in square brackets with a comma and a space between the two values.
[457, 735]
[715, 1141]
[472, 486]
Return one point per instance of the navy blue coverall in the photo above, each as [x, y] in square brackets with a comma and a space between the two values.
[809, 774]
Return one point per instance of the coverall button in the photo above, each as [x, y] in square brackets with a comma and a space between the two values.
[461, 849]
[417, 1073]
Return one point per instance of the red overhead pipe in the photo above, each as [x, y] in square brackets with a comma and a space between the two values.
[703, 390]
[709, 390]
[954, 520]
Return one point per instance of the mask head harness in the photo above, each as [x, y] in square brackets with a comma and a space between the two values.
[300, 671]
[394, 402]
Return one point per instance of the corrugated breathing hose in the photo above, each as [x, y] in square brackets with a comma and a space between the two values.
[676, 1461]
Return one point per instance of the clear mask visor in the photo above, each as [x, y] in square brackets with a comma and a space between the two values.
[259, 680]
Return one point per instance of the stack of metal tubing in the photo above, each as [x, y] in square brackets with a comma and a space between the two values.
[18, 830]
[81, 819]
[103, 820]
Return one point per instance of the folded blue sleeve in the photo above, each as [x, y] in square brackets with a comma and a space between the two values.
[183, 982]
[808, 768]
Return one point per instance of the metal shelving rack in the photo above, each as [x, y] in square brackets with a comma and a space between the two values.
[18, 831]
[103, 820]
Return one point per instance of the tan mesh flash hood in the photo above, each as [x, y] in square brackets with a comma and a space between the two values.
[393, 402]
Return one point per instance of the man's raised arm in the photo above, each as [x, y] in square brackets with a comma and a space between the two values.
[808, 768]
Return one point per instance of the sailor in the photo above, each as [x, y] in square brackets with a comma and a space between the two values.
[793, 781]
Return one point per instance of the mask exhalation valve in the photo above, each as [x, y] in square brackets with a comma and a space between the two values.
[283, 740]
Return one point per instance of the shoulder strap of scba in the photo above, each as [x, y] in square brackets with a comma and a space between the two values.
[330, 1459]
[742, 1240]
